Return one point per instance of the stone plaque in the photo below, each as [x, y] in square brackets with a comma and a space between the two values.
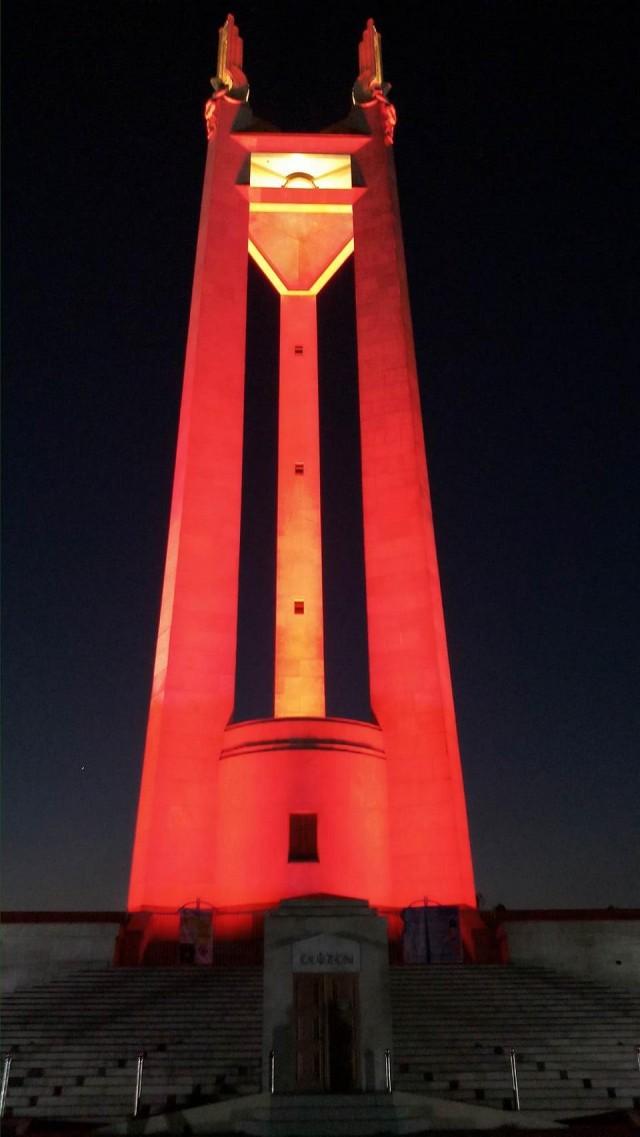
[326, 953]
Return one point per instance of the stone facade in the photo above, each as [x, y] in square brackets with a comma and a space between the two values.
[326, 935]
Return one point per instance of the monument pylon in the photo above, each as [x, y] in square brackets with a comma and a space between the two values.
[244, 813]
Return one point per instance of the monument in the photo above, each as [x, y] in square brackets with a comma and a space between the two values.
[303, 835]
[299, 804]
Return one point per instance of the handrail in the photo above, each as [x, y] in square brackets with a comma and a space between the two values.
[513, 1062]
[387, 1072]
[138, 1089]
[272, 1071]
[5, 1082]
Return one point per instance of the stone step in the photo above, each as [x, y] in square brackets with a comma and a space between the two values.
[98, 1055]
[565, 1107]
[111, 1015]
[328, 1115]
[452, 1030]
[446, 1086]
[495, 1030]
[214, 1050]
[333, 1127]
[314, 1101]
[202, 1031]
[114, 1038]
[490, 1077]
[78, 1040]
[56, 1108]
[96, 1086]
[516, 1035]
[321, 1113]
[554, 1055]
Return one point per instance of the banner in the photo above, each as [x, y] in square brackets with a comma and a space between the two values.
[432, 935]
[196, 936]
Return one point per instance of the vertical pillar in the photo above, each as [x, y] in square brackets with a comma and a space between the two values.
[299, 648]
[409, 671]
[193, 684]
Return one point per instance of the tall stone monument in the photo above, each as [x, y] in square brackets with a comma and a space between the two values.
[297, 804]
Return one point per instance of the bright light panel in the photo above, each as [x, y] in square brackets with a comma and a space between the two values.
[325, 171]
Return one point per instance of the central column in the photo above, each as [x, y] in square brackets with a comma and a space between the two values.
[299, 648]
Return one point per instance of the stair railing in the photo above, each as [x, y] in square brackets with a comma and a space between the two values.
[513, 1062]
[637, 1050]
[272, 1071]
[387, 1072]
[138, 1089]
[6, 1070]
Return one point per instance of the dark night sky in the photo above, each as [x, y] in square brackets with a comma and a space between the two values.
[518, 169]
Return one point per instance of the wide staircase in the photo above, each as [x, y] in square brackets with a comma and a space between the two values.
[75, 1044]
[75, 1041]
[575, 1040]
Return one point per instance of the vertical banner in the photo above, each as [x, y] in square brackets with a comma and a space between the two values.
[415, 942]
[443, 932]
[196, 936]
[432, 935]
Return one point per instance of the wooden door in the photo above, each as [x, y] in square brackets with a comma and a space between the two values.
[341, 993]
[326, 1033]
[310, 1033]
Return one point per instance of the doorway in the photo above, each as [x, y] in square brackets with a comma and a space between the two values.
[326, 1008]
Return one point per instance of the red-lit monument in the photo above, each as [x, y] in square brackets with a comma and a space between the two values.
[250, 813]
[307, 833]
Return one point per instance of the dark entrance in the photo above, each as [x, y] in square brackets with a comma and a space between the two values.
[326, 1033]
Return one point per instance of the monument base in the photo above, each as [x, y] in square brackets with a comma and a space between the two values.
[327, 1007]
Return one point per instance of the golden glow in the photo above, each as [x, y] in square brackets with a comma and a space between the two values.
[278, 207]
[332, 268]
[299, 244]
[299, 639]
[324, 171]
[268, 271]
[318, 284]
[223, 47]
[370, 58]
[299, 179]
[377, 55]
